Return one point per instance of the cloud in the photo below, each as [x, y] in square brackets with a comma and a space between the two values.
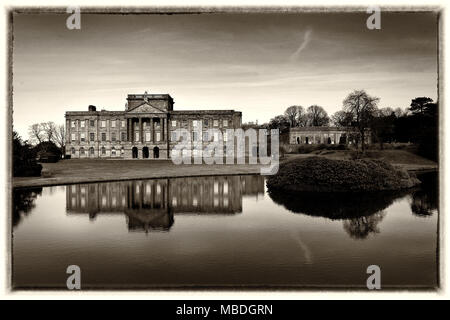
[306, 39]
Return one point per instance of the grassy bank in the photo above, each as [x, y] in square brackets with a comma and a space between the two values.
[319, 174]
[86, 170]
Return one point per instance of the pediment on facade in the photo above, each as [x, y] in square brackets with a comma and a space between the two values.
[146, 108]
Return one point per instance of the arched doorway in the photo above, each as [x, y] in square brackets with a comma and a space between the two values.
[329, 140]
[145, 153]
[298, 140]
[307, 140]
[155, 152]
[134, 152]
[343, 139]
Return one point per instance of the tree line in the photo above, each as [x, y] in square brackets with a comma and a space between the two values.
[360, 112]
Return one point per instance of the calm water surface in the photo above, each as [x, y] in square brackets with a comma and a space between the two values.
[221, 231]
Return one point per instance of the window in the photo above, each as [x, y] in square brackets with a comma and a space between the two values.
[103, 136]
[147, 136]
[124, 137]
[113, 136]
[91, 151]
[173, 136]
[103, 150]
[82, 136]
[113, 152]
[82, 151]
[206, 122]
[174, 123]
[205, 136]
[123, 124]
[103, 123]
[216, 123]
[91, 136]
[72, 124]
[72, 150]
[225, 136]
[136, 136]
[158, 136]
[194, 136]
[225, 123]
[82, 123]
[196, 123]
[113, 123]
[144, 124]
[92, 123]
[216, 136]
[73, 137]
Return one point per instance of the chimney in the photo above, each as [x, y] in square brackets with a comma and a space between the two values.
[92, 108]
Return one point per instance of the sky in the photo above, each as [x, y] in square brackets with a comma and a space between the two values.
[257, 63]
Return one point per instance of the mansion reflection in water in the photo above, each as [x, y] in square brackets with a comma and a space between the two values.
[151, 204]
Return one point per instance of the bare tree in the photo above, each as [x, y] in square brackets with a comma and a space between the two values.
[291, 114]
[49, 128]
[399, 112]
[59, 137]
[302, 118]
[342, 119]
[362, 107]
[317, 116]
[36, 133]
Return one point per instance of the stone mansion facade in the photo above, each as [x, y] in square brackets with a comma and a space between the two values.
[143, 131]
[326, 135]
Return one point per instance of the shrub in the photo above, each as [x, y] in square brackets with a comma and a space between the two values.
[329, 175]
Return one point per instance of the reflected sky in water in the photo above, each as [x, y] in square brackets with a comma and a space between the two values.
[221, 231]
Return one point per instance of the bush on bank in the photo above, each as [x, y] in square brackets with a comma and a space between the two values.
[318, 174]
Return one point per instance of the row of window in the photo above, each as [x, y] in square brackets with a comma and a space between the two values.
[123, 136]
[197, 123]
[102, 150]
[122, 123]
[114, 123]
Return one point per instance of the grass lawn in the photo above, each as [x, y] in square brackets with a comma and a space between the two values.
[399, 158]
[87, 170]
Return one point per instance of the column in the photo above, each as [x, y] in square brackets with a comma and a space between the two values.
[128, 129]
[165, 130]
[140, 129]
[152, 126]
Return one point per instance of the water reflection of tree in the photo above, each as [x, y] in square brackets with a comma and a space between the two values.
[360, 228]
[425, 198]
[361, 212]
[23, 203]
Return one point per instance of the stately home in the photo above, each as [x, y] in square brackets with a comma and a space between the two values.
[325, 135]
[144, 130]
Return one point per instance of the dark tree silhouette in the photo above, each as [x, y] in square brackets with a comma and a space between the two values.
[418, 105]
[363, 107]
[317, 116]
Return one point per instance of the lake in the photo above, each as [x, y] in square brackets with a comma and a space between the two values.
[220, 232]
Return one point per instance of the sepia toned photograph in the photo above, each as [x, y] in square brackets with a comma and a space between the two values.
[248, 149]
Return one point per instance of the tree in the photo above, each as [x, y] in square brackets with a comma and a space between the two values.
[24, 158]
[362, 107]
[400, 112]
[302, 118]
[317, 116]
[342, 119]
[59, 137]
[418, 104]
[291, 115]
[36, 133]
[279, 122]
[49, 128]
